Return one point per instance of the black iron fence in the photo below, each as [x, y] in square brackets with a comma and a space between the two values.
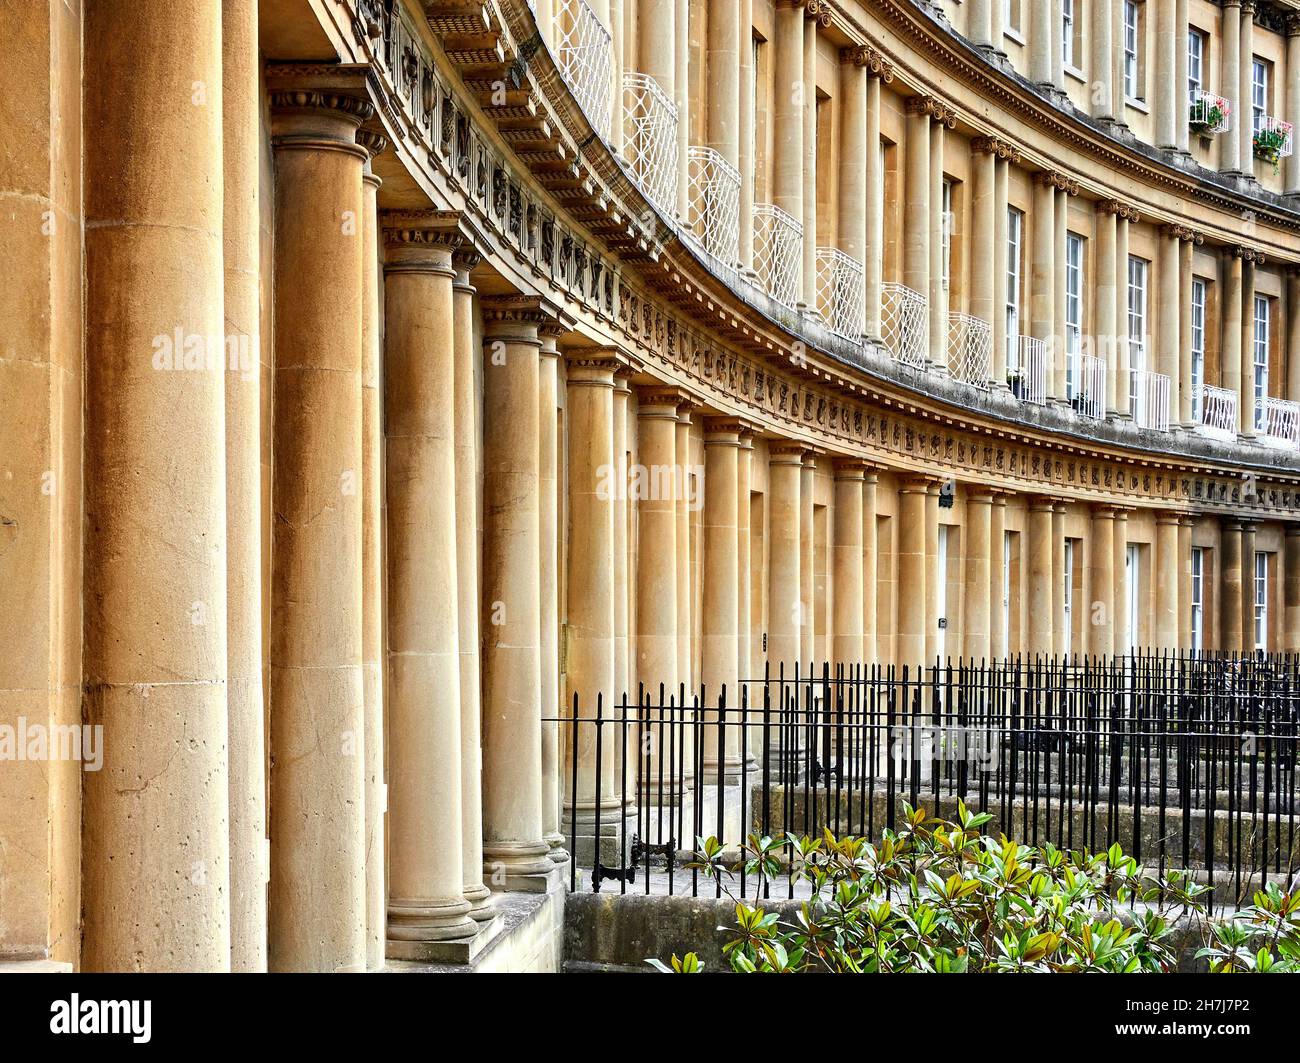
[1188, 762]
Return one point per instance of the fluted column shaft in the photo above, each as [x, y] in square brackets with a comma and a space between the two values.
[1230, 159]
[317, 793]
[155, 890]
[1182, 130]
[979, 26]
[1101, 582]
[847, 564]
[657, 43]
[979, 547]
[426, 901]
[911, 543]
[1233, 329]
[721, 654]
[1166, 583]
[788, 188]
[1170, 93]
[515, 851]
[724, 71]
[785, 608]
[1043, 32]
[656, 640]
[916, 201]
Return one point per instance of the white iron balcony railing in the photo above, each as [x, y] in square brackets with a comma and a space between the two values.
[1273, 139]
[1210, 114]
[1027, 375]
[841, 292]
[1150, 400]
[585, 55]
[713, 213]
[1090, 393]
[1281, 423]
[1218, 413]
[905, 324]
[970, 349]
[651, 142]
[778, 252]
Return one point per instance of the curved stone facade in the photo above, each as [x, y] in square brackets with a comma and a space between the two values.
[573, 347]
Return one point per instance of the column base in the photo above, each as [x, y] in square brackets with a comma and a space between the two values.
[414, 928]
[481, 907]
[459, 950]
[519, 868]
[617, 826]
[558, 854]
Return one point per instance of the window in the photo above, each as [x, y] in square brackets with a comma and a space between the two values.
[1137, 322]
[1260, 359]
[1195, 63]
[1198, 346]
[1261, 600]
[1132, 51]
[948, 221]
[1198, 599]
[1134, 591]
[1068, 576]
[1007, 555]
[1015, 234]
[1258, 93]
[1073, 312]
[1070, 27]
[1011, 14]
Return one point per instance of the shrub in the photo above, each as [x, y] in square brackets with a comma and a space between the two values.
[939, 896]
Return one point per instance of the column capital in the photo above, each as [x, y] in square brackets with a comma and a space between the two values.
[374, 143]
[918, 484]
[998, 148]
[591, 366]
[981, 494]
[817, 11]
[933, 107]
[1246, 254]
[663, 398]
[1043, 503]
[518, 318]
[1182, 233]
[1248, 7]
[421, 241]
[1170, 516]
[721, 430]
[1292, 25]
[1119, 208]
[1056, 179]
[1102, 511]
[785, 452]
[850, 469]
[874, 61]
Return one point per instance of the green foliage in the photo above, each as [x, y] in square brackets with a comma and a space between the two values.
[1269, 144]
[1263, 938]
[940, 896]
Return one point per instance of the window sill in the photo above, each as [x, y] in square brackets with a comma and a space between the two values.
[1137, 105]
[1013, 34]
[1077, 74]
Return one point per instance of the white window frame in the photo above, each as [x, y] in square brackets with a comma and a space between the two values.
[948, 220]
[1198, 599]
[1006, 594]
[1131, 26]
[1014, 266]
[1074, 294]
[1195, 62]
[1200, 292]
[1068, 597]
[1261, 600]
[1068, 60]
[1259, 78]
[1259, 358]
[1138, 275]
[1133, 588]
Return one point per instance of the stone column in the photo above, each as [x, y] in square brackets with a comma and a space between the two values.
[241, 142]
[852, 215]
[1166, 581]
[785, 607]
[1293, 334]
[846, 556]
[998, 634]
[156, 872]
[810, 148]
[984, 245]
[721, 652]
[1058, 577]
[979, 24]
[685, 473]
[1170, 93]
[1054, 24]
[657, 40]
[724, 73]
[1246, 404]
[372, 562]
[1060, 350]
[870, 619]
[1107, 327]
[656, 597]
[1247, 600]
[1117, 75]
[1101, 582]
[788, 120]
[1182, 131]
[1000, 212]
[1243, 128]
[1230, 358]
[997, 21]
[464, 259]
[744, 559]
[317, 793]
[1291, 588]
[592, 487]
[979, 506]
[1042, 275]
[807, 562]
[1185, 525]
[544, 14]
[1120, 611]
[910, 541]
[1039, 592]
[618, 31]
[426, 901]
[1230, 160]
[916, 200]
[623, 671]
[937, 222]
[936, 576]
[1103, 91]
[1292, 96]
[682, 97]
[1120, 385]
[1230, 582]
[1185, 398]
[747, 119]
[1169, 316]
[1043, 31]
[874, 190]
[516, 855]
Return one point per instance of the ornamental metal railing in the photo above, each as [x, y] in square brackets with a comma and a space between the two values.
[1090, 399]
[841, 292]
[1027, 375]
[1210, 114]
[1281, 423]
[584, 52]
[778, 252]
[970, 349]
[1150, 400]
[1273, 138]
[713, 212]
[1218, 413]
[905, 324]
[650, 146]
